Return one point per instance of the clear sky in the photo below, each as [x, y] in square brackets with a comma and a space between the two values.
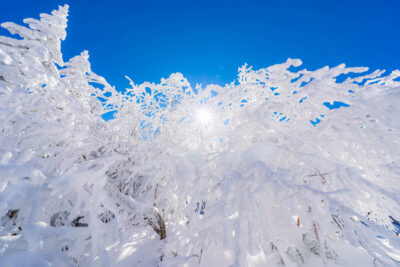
[208, 40]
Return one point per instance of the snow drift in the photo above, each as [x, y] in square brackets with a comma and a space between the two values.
[284, 166]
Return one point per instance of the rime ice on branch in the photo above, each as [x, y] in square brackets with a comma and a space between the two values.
[287, 167]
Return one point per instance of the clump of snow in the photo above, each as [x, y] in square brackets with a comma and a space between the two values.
[280, 167]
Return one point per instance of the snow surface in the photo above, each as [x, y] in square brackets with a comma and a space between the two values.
[282, 167]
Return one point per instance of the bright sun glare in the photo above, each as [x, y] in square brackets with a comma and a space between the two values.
[204, 116]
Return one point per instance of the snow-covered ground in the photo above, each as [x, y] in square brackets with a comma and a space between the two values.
[283, 166]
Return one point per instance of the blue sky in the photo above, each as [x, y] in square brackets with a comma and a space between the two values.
[208, 40]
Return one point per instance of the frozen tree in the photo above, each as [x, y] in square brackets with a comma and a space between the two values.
[51, 126]
[279, 174]
[283, 166]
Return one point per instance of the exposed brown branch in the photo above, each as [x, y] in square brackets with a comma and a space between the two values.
[322, 175]
[157, 224]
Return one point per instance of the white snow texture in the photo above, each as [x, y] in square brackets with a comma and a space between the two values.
[266, 171]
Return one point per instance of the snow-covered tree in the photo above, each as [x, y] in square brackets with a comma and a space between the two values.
[283, 166]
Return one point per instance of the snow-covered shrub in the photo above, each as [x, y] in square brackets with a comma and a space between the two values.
[283, 166]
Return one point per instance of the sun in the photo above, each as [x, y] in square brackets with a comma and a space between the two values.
[204, 116]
